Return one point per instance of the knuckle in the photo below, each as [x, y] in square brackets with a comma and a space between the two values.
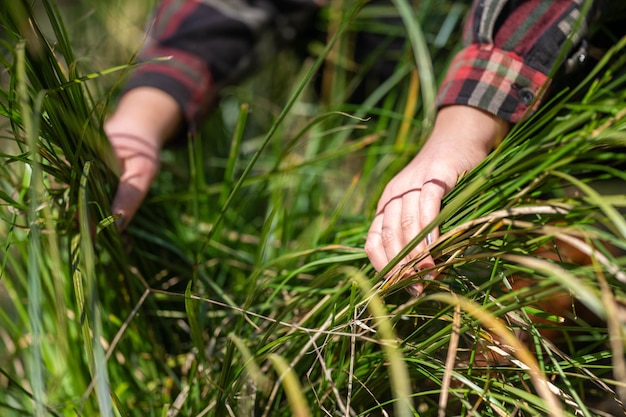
[372, 243]
[408, 221]
[387, 235]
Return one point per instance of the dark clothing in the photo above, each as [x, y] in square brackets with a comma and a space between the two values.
[510, 48]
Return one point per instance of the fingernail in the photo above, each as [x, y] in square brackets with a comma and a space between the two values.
[120, 222]
[414, 290]
[429, 239]
[427, 275]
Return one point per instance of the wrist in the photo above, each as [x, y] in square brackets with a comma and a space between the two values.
[469, 127]
[122, 129]
[147, 113]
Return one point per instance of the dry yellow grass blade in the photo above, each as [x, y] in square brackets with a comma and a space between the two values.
[526, 359]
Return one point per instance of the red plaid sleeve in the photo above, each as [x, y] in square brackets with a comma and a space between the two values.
[213, 43]
[512, 48]
[493, 80]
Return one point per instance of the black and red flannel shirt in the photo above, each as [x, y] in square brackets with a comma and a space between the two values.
[510, 49]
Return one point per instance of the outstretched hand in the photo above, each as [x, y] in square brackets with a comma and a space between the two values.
[462, 137]
[143, 121]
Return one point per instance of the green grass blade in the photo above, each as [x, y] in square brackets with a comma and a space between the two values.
[37, 379]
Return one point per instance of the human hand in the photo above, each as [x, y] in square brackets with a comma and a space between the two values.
[145, 118]
[461, 138]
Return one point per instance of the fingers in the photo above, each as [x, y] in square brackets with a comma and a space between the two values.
[391, 234]
[374, 247]
[404, 210]
[139, 159]
[397, 223]
[429, 206]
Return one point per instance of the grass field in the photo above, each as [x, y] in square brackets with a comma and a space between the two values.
[242, 287]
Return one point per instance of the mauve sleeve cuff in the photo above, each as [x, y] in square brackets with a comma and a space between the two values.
[183, 76]
[493, 80]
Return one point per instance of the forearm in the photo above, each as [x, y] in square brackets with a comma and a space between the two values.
[146, 113]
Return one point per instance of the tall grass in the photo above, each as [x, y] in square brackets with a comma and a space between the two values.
[242, 289]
